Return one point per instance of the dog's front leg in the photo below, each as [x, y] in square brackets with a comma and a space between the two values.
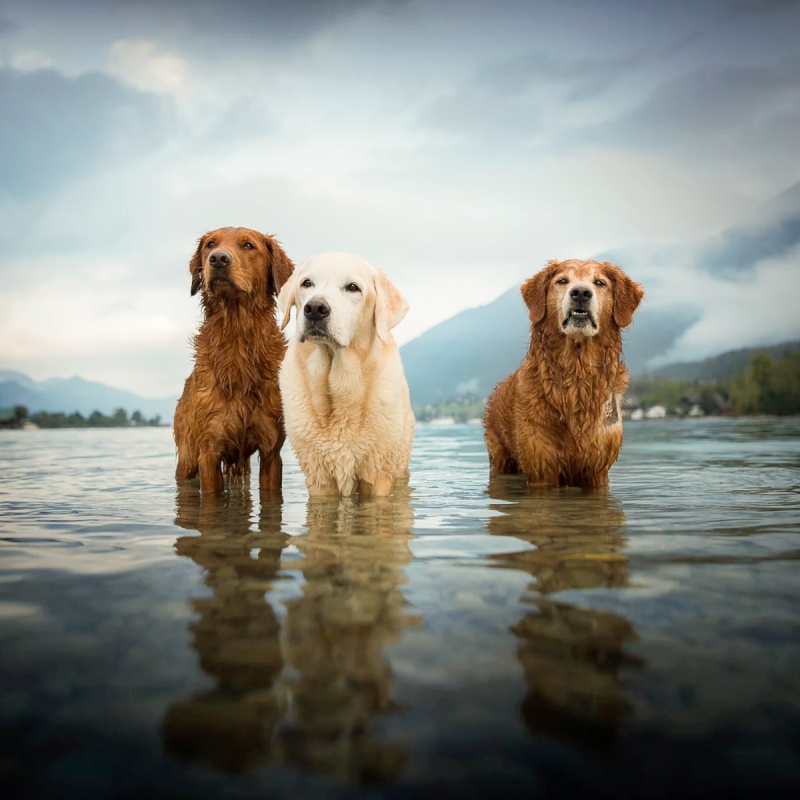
[381, 487]
[211, 478]
[540, 466]
[322, 488]
[270, 472]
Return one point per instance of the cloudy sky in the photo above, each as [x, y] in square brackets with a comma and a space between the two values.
[457, 144]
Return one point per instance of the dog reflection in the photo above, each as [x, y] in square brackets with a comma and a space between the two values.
[573, 657]
[351, 608]
[237, 633]
[574, 536]
[303, 690]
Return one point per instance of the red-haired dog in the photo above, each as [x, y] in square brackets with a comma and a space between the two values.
[557, 419]
[231, 406]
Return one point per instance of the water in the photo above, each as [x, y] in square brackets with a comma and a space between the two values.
[464, 639]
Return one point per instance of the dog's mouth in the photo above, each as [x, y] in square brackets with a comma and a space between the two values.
[222, 283]
[315, 333]
[579, 318]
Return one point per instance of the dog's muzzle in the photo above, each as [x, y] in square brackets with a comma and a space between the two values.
[579, 312]
[220, 261]
[316, 313]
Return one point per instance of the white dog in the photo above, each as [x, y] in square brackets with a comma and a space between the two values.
[346, 404]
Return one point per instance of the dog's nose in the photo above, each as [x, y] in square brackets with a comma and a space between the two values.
[316, 309]
[219, 259]
[581, 294]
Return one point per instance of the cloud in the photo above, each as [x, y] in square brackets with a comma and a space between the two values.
[209, 26]
[64, 127]
[737, 251]
[84, 318]
[743, 314]
[30, 60]
[140, 64]
[711, 112]
[766, 7]
[457, 145]
[522, 98]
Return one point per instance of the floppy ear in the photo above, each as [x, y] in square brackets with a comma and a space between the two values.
[390, 307]
[627, 295]
[196, 268]
[288, 298]
[280, 267]
[534, 292]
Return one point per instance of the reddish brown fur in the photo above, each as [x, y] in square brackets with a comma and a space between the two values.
[231, 406]
[557, 419]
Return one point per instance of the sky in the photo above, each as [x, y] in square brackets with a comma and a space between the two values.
[457, 145]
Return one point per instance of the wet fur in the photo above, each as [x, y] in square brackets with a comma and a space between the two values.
[348, 410]
[231, 406]
[558, 419]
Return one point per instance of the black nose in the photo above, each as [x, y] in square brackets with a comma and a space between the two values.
[219, 259]
[316, 309]
[581, 294]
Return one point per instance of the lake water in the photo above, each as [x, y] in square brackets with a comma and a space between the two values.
[463, 639]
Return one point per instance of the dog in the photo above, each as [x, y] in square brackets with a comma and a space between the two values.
[231, 406]
[558, 419]
[346, 402]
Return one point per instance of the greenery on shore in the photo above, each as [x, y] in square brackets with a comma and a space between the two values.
[767, 385]
[45, 419]
[460, 409]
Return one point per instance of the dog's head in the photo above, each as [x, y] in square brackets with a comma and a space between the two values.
[581, 298]
[341, 300]
[232, 262]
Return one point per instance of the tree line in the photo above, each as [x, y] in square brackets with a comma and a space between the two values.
[119, 419]
[768, 385]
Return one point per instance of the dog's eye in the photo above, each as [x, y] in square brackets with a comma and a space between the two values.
[352, 287]
[210, 243]
[598, 282]
[247, 246]
[562, 281]
[306, 284]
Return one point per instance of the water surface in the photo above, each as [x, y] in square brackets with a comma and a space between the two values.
[465, 638]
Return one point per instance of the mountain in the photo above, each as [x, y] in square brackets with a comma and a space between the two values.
[722, 367]
[472, 351]
[773, 233]
[76, 394]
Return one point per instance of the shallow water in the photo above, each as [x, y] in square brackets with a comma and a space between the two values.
[464, 638]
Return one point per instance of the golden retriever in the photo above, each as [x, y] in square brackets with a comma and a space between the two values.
[231, 405]
[557, 419]
[346, 403]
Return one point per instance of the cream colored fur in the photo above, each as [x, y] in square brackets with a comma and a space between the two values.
[346, 404]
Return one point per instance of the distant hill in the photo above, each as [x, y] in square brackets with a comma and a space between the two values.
[76, 394]
[722, 367]
[470, 352]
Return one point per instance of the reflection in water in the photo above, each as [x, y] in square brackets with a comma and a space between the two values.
[572, 657]
[305, 689]
[237, 635]
[350, 609]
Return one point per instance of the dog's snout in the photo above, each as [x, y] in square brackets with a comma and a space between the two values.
[220, 259]
[316, 309]
[581, 294]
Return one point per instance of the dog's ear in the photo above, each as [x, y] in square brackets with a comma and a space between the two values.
[196, 268]
[280, 266]
[288, 298]
[627, 295]
[534, 292]
[390, 306]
